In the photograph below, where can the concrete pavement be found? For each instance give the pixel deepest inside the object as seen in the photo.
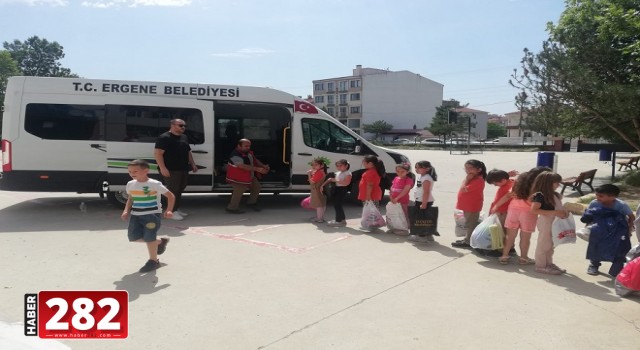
(271, 280)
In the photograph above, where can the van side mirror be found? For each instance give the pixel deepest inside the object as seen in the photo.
(357, 150)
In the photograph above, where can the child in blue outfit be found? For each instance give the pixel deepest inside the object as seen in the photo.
(611, 223)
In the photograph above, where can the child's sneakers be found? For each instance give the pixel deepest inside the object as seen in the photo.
(150, 266)
(418, 239)
(163, 245)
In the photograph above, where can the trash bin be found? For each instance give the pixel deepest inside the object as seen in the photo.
(546, 159)
(605, 155)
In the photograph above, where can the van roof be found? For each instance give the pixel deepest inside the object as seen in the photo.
(201, 91)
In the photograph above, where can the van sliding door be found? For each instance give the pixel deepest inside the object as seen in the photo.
(267, 126)
(132, 131)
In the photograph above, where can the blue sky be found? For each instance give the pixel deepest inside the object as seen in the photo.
(470, 46)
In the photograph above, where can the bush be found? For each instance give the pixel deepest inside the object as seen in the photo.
(632, 178)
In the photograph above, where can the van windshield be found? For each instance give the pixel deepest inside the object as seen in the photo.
(327, 136)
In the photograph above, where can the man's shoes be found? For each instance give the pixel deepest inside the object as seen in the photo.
(592, 270)
(254, 207)
(163, 245)
(176, 216)
(234, 211)
(183, 214)
(150, 266)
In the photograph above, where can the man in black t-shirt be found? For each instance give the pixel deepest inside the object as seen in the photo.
(173, 156)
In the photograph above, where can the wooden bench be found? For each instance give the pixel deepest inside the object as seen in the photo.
(629, 163)
(576, 182)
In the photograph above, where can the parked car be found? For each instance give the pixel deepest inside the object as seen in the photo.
(403, 141)
(457, 141)
(494, 141)
(431, 141)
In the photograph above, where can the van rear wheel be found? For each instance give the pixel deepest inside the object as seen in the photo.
(117, 198)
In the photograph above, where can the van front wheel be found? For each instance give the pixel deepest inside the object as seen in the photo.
(117, 198)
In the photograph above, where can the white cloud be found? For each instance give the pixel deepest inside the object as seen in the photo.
(37, 2)
(135, 3)
(247, 52)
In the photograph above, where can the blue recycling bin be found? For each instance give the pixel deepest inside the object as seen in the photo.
(605, 155)
(546, 159)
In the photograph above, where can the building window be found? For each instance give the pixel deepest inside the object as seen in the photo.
(330, 99)
(343, 98)
(319, 99)
(355, 97)
(343, 85)
(319, 87)
(353, 123)
(355, 83)
(355, 110)
(343, 111)
(330, 86)
(330, 110)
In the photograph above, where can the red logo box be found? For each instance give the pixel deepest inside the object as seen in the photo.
(83, 314)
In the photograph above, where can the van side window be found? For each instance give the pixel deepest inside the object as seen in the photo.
(65, 122)
(327, 136)
(145, 123)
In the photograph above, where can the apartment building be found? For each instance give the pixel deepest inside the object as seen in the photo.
(514, 129)
(402, 98)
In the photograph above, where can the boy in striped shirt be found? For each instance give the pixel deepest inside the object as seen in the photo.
(144, 208)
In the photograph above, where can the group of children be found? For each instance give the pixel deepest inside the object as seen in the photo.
(522, 204)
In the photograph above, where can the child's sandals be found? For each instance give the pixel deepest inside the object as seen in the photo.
(503, 260)
(526, 261)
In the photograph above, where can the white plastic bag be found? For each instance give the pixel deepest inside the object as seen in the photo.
(396, 220)
(461, 224)
(563, 230)
(481, 237)
(371, 217)
(584, 233)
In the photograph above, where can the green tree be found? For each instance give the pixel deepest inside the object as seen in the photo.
(586, 78)
(495, 130)
(8, 68)
(377, 128)
(38, 57)
(440, 125)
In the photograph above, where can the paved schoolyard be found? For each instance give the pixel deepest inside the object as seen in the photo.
(270, 280)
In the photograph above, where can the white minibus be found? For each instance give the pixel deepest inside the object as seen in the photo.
(77, 135)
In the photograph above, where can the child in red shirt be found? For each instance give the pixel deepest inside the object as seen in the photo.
(470, 198)
(369, 186)
(503, 197)
(316, 175)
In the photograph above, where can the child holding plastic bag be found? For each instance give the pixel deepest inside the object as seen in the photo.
(369, 191)
(470, 198)
(342, 180)
(423, 194)
(318, 201)
(545, 202)
(610, 237)
(399, 195)
(520, 218)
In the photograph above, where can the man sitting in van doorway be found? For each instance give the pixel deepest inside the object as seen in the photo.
(174, 158)
(241, 174)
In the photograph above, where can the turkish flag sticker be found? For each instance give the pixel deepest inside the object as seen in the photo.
(305, 107)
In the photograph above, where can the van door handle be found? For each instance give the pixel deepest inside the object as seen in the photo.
(99, 147)
(199, 151)
(305, 154)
